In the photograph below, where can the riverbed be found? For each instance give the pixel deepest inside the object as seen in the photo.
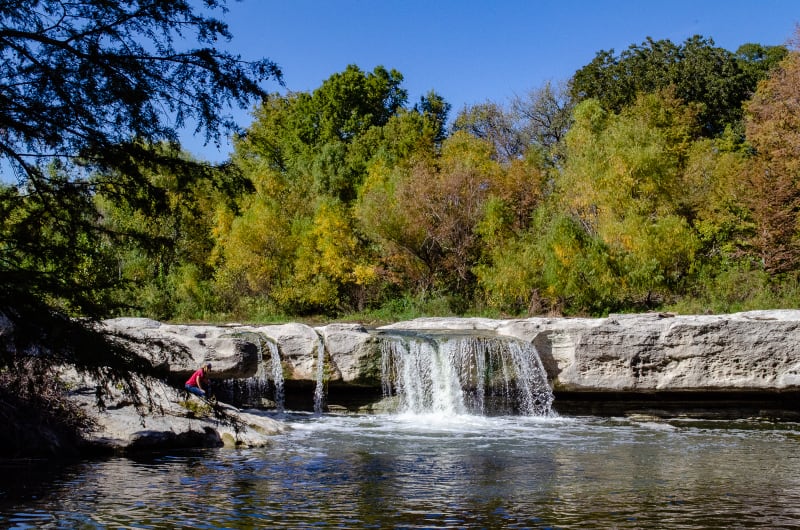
(434, 471)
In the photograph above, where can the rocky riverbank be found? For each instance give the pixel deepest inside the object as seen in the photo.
(705, 366)
(744, 364)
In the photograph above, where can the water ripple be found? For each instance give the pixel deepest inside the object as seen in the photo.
(427, 472)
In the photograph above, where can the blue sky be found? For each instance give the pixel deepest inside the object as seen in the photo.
(471, 51)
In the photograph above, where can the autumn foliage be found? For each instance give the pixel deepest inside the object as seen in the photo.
(664, 190)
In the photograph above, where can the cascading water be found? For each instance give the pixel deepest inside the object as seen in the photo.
(319, 390)
(254, 391)
(277, 375)
(451, 375)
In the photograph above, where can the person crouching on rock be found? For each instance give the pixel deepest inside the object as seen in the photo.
(198, 383)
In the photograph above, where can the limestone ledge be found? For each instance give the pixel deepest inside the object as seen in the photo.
(650, 352)
(622, 364)
(616, 365)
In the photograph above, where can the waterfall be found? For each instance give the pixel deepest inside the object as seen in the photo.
(319, 390)
(254, 391)
(445, 374)
(277, 375)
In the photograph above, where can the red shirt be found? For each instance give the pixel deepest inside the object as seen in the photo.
(198, 377)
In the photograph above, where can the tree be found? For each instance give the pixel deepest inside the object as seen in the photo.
(90, 86)
(624, 182)
(425, 215)
(757, 61)
(436, 109)
(86, 87)
(492, 123)
(538, 120)
(168, 267)
(310, 157)
(700, 72)
(546, 113)
(772, 125)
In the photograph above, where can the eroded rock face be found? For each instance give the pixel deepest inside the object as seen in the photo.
(642, 355)
(183, 348)
(652, 352)
(755, 350)
(299, 347)
(353, 353)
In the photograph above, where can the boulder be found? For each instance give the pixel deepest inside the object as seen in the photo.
(184, 348)
(171, 419)
(299, 346)
(353, 352)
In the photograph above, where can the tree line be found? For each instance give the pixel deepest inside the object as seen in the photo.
(662, 177)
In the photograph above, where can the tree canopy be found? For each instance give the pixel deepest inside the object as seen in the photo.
(699, 71)
(94, 86)
(92, 97)
(349, 197)
(556, 202)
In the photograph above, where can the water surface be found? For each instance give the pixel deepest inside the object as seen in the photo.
(434, 471)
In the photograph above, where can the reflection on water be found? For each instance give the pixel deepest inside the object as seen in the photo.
(425, 471)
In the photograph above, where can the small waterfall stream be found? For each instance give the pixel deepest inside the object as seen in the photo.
(277, 375)
(255, 391)
(436, 372)
(459, 374)
(319, 389)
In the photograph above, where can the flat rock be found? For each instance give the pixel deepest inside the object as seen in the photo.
(172, 419)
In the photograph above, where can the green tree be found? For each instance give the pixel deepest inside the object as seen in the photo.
(757, 61)
(166, 258)
(434, 107)
(426, 216)
(309, 156)
(546, 116)
(624, 182)
(489, 121)
(91, 86)
(700, 72)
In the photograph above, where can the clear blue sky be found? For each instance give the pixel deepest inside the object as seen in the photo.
(471, 51)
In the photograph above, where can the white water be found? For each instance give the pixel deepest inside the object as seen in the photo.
(456, 375)
(319, 389)
(277, 375)
(254, 391)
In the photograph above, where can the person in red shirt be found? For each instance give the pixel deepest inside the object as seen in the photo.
(198, 382)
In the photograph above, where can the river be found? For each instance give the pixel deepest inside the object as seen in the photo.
(434, 471)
